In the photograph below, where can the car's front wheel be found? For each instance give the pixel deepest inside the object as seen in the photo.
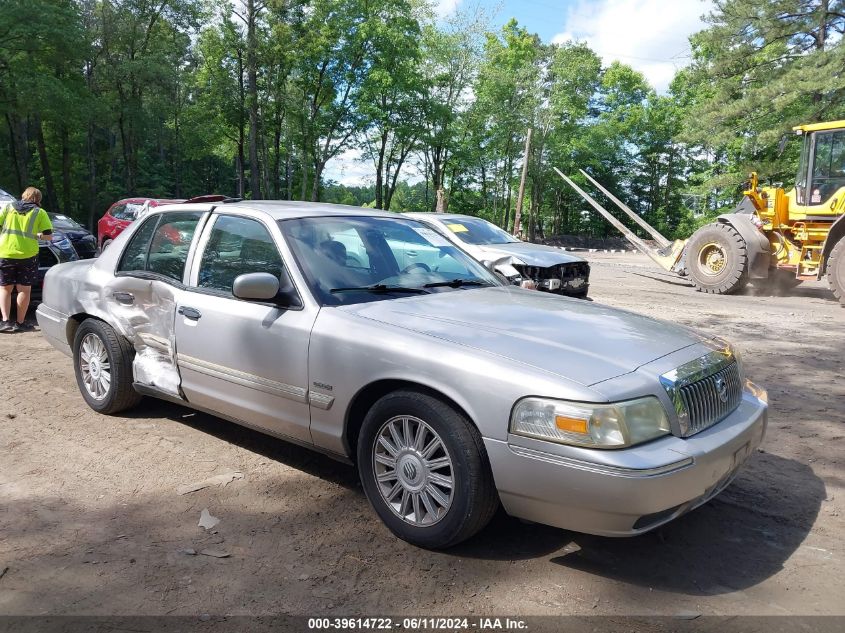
(102, 360)
(425, 470)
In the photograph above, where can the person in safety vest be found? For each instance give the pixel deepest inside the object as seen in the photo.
(22, 224)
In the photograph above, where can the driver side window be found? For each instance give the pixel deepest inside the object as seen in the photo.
(237, 246)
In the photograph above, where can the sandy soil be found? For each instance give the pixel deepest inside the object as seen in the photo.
(91, 521)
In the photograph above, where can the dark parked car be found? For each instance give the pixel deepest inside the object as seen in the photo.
(82, 239)
(58, 251)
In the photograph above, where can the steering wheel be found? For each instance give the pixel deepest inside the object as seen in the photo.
(411, 267)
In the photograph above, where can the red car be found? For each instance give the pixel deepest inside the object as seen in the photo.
(123, 212)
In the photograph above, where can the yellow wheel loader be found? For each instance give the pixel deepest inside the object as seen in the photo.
(773, 236)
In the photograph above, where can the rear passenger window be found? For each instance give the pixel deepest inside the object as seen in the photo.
(161, 245)
(235, 247)
(135, 256)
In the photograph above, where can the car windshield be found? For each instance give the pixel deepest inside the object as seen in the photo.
(359, 259)
(478, 231)
(63, 222)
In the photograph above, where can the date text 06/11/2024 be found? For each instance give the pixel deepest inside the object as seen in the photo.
(417, 624)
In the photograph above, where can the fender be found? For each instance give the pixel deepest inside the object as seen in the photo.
(836, 233)
(756, 243)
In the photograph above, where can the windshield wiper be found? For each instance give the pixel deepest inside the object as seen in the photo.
(457, 283)
(380, 289)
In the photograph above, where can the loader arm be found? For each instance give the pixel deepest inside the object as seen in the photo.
(668, 258)
(655, 234)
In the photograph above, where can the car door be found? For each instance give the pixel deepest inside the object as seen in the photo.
(142, 297)
(245, 360)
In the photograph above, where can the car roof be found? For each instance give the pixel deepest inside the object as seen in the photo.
(291, 209)
(152, 201)
(444, 216)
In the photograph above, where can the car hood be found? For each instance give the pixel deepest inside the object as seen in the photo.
(578, 340)
(528, 253)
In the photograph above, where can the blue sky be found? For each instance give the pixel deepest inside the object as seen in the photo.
(650, 35)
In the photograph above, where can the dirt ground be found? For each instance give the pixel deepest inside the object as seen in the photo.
(91, 521)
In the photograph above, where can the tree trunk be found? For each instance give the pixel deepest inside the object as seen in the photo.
(51, 198)
(380, 171)
(66, 182)
(241, 126)
(277, 156)
(16, 148)
(319, 166)
(92, 178)
(289, 174)
(304, 183)
(252, 88)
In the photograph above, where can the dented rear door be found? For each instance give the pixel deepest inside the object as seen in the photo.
(143, 296)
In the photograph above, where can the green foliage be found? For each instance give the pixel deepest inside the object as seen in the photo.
(102, 99)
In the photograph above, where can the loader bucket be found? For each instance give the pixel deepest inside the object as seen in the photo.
(668, 258)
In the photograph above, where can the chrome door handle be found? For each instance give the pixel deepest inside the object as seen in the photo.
(126, 298)
(190, 313)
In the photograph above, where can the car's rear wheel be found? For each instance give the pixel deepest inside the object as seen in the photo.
(425, 470)
(102, 360)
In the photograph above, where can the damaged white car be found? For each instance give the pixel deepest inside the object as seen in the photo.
(452, 391)
(536, 266)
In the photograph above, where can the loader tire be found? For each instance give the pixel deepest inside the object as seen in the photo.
(717, 259)
(836, 271)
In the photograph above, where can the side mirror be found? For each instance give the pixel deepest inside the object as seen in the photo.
(256, 287)
(265, 287)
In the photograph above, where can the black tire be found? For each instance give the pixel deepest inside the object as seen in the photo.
(472, 498)
(105, 245)
(717, 259)
(119, 395)
(836, 271)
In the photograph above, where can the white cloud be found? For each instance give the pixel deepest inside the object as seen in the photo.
(649, 35)
(442, 8)
(348, 169)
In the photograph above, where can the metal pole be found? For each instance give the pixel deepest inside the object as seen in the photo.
(517, 218)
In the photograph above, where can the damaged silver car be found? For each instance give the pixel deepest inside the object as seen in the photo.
(452, 391)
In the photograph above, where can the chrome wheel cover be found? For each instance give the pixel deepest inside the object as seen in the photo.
(413, 470)
(94, 366)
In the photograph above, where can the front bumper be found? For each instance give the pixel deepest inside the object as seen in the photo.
(572, 279)
(629, 491)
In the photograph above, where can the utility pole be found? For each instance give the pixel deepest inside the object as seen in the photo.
(518, 215)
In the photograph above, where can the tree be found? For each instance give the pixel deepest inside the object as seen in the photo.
(391, 94)
(763, 67)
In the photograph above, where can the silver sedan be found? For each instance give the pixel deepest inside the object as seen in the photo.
(451, 391)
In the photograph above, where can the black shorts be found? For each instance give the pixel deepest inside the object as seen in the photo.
(22, 272)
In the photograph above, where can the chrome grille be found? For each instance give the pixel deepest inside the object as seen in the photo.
(704, 391)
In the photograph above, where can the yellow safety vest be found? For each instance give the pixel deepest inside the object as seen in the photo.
(19, 232)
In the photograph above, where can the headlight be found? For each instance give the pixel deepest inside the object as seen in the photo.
(614, 425)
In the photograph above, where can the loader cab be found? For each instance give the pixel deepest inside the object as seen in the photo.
(821, 169)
